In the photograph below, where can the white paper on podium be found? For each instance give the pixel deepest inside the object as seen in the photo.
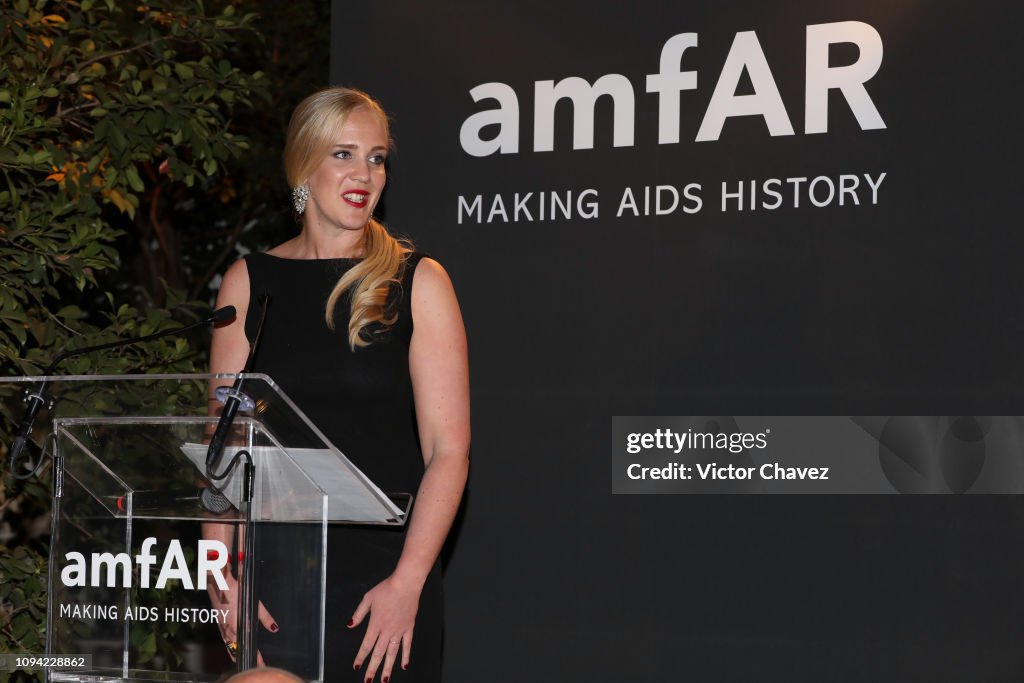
(351, 498)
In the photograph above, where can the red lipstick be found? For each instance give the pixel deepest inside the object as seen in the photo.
(356, 198)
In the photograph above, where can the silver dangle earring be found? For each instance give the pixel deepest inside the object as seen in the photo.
(300, 195)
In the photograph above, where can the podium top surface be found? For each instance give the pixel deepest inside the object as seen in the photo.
(169, 396)
(109, 416)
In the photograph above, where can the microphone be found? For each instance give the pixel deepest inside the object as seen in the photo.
(220, 315)
(210, 499)
(234, 397)
(35, 401)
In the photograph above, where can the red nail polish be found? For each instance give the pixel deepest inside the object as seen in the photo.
(384, 679)
(212, 554)
(369, 680)
(241, 555)
(357, 666)
(273, 628)
(351, 623)
(405, 667)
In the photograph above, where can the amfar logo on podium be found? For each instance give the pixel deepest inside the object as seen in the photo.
(211, 557)
(744, 55)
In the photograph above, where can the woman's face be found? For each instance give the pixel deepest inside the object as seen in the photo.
(345, 188)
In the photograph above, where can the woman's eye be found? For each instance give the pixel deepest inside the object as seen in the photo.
(378, 159)
(343, 154)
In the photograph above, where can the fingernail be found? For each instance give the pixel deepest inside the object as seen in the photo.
(351, 623)
(273, 628)
(241, 555)
(369, 680)
(405, 667)
(212, 555)
(384, 679)
(356, 667)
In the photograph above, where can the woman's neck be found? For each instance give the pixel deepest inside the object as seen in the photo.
(308, 245)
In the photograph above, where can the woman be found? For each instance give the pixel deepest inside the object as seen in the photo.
(366, 336)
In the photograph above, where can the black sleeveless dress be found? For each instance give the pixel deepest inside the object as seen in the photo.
(363, 402)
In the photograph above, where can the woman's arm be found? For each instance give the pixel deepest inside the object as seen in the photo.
(230, 348)
(440, 380)
(228, 353)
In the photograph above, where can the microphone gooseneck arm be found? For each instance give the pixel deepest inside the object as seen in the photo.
(220, 315)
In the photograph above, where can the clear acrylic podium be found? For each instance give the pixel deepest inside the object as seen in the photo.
(135, 547)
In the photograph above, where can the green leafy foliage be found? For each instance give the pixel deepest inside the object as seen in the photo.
(22, 605)
(113, 116)
(106, 108)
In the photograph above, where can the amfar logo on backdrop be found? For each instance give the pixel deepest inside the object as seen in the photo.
(744, 55)
(660, 197)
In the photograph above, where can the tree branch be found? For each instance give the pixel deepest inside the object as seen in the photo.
(88, 105)
(58, 321)
(82, 127)
(229, 246)
(125, 51)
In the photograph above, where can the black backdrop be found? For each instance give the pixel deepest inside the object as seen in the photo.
(910, 305)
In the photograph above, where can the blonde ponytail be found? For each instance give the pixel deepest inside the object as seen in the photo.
(370, 282)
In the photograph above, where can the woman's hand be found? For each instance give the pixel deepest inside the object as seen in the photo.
(392, 606)
(228, 600)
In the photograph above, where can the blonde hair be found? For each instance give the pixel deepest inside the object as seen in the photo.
(313, 129)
